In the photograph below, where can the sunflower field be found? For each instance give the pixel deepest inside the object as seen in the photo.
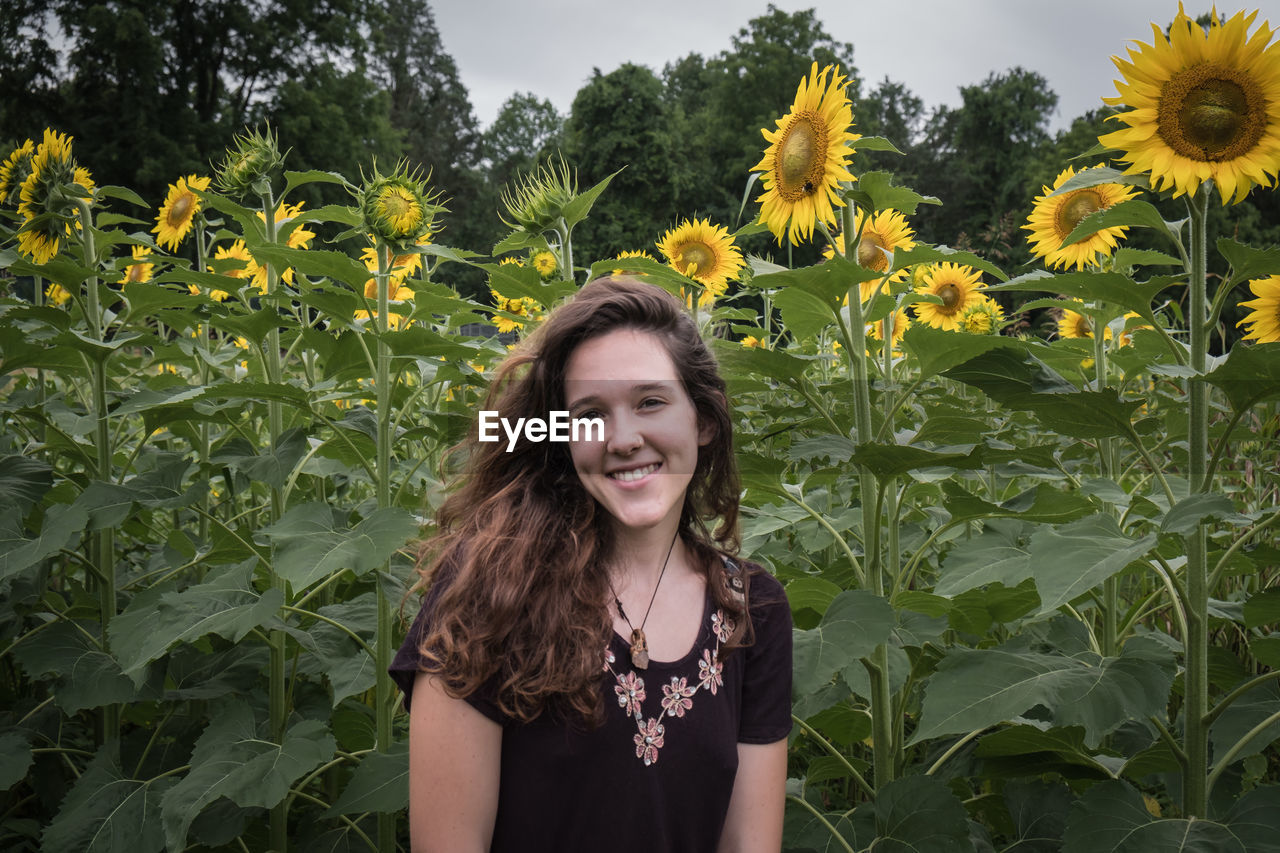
(1035, 578)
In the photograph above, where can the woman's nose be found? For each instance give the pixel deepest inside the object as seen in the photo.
(623, 436)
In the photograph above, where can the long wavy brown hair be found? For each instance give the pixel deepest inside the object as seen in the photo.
(518, 566)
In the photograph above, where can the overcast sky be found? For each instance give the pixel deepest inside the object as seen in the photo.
(549, 47)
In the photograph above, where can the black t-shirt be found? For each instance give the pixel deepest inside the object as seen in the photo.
(656, 776)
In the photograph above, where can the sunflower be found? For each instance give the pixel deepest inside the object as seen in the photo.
(638, 253)
(900, 323)
(179, 210)
(42, 192)
(215, 295)
(752, 342)
(983, 317)
(1054, 217)
(704, 252)
(807, 157)
(1264, 322)
(398, 208)
(1203, 106)
(1075, 325)
(545, 263)
(251, 159)
(522, 306)
(14, 170)
(396, 290)
(235, 252)
(957, 285)
(138, 271)
(1126, 334)
(884, 231)
(56, 294)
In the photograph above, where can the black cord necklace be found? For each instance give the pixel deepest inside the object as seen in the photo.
(639, 648)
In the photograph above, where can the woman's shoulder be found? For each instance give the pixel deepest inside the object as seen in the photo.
(760, 588)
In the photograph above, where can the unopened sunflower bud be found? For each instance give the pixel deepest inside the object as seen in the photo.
(247, 168)
(398, 208)
(537, 202)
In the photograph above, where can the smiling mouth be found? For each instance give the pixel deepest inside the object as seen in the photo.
(634, 474)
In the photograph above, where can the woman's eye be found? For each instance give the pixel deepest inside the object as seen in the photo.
(651, 402)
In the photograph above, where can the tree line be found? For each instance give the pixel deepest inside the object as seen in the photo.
(153, 89)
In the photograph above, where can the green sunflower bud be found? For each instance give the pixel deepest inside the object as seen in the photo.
(537, 202)
(247, 168)
(398, 209)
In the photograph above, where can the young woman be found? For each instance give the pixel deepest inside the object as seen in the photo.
(593, 668)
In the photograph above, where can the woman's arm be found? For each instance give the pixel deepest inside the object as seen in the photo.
(754, 821)
(454, 760)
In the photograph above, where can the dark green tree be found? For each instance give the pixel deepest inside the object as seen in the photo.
(528, 129)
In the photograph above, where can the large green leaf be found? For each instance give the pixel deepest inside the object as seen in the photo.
(15, 759)
(380, 783)
(1111, 287)
(62, 528)
(1250, 375)
(1017, 748)
(272, 468)
(1255, 819)
(1112, 818)
(85, 676)
(23, 481)
(809, 297)
(580, 205)
(937, 350)
(1242, 716)
(1039, 810)
(923, 253)
(315, 263)
(886, 461)
(855, 623)
(233, 759)
(311, 542)
(226, 604)
(348, 667)
(995, 556)
(1131, 213)
(876, 191)
(1247, 262)
(1069, 560)
(918, 814)
(976, 688)
(107, 812)
(737, 360)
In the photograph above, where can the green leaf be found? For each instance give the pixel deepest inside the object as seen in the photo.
(874, 143)
(336, 266)
(512, 281)
(876, 191)
(226, 604)
(811, 592)
(107, 812)
(122, 193)
(810, 297)
(348, 667)
(85, 675)
(63, 527)
(937, 350)
(919, 814)
(1069, 560)
(737, 360)
(310, 542)
(977, 688)
(1255, 819)
(1185, 516)
(147, 298)
(1112, 818)
(23, 481)
(580, 205)
(1250, 375)
(1129, 214)
(1127, 257)
(1242, 715)
(886, 461)
(293, 180)
(992, 557)
(855, 623)
(379, 784)
(232, 759)
(1247, 262)
(1110, 287)
(1263, 608)
(1039, 810)
(270, 468)
(15, 755)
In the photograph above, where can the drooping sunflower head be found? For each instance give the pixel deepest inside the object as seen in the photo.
(13, 171)
(47, 195)
(178, 212)
(139, 270)
(1264, 321)
(398, 208)
(983, 317)
(807, 157)
(545, 263)
(704, 252)
(537, 200)
(249, 164)
(1203, 105)
(1054, 217)
(956, 285)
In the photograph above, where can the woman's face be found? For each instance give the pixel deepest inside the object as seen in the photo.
(641, 470)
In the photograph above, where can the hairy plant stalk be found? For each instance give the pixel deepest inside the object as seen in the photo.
(1110, 470)
(383, 694)
(202, 449)
(1196, 731)
(102, 545)
(882, 725)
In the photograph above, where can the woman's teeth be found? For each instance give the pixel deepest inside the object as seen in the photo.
(635, 473)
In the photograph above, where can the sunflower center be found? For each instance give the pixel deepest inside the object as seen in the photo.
(1210, 112)
(950, 297)
(802, 155)
(400, 209)
(696, 259)
(179, 210)
(869, 254)
(1074, 210)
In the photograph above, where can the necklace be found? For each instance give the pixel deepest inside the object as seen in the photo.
(639, 648)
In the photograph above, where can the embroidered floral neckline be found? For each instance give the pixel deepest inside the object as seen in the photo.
(677, 696)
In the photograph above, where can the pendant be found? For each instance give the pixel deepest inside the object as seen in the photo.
(639, 650)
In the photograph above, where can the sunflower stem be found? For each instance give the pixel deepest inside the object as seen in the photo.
(202, 450)
(1196, 733)
(383, 696)
(279, 710)
(1110, 466)
(881, 701)
(102, 546)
